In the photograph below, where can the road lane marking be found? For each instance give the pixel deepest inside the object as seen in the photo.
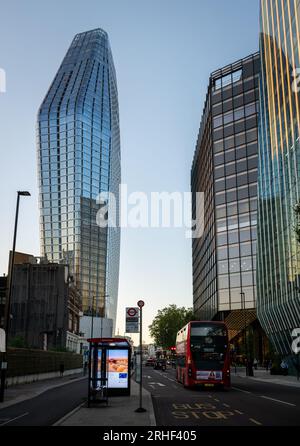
(255, 421)
(241, 390)
(161, 385)
(238, 411)
(16, 418)
(226, 405)
(278, 401)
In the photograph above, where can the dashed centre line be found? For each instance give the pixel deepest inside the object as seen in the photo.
(277, 401)
(255, 421)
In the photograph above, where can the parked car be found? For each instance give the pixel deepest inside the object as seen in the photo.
(150, 362)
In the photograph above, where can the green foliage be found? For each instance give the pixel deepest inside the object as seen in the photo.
(59, 349)
(167, 322)
(297, 226)
(17, 342)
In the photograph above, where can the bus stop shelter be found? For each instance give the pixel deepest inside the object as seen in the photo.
(109, 368)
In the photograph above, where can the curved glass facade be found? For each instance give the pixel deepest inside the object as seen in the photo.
(278, 268)
(78, 143)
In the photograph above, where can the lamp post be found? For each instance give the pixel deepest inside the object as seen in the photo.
(104, 314)
(245, 328)
(10, 287)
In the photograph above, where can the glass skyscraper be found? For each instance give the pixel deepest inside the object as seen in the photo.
(278, 268)
(78, 145)
(225, 169)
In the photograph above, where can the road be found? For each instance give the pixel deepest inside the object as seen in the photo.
(47, 408)
(247, 403)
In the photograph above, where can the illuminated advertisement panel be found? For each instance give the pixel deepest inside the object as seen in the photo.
(117, 367)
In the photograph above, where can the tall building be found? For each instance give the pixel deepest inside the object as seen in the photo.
(278, 278)
(45, 305)
(78, 142)
(225, 169)
(3, 293)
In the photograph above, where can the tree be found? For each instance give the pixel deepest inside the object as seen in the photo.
(297, 218)
(296, 358)
(167, 323)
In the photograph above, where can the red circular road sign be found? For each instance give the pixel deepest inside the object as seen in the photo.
(131, 312)
(141, 303)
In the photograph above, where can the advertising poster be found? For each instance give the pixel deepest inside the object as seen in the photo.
(117, 366)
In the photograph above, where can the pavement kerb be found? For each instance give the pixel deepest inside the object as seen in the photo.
(152, 415)
(145, 392)
(68, 415)
(274, 380)
(38, 392)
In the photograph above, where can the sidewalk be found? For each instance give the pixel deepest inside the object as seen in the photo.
(262, 375)
(21, 392)
(119, 412)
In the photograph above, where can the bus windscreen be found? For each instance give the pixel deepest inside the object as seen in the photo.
(208, 347)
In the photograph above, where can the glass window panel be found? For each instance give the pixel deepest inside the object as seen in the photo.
(218, 121)
(233, 237)
(219, 172)
(219, 185)
(222, 253)
(223, 296)
(218, 146)
(229, 143)
(223, 267)
(234, 251)
(222, 239)
(221, 225)
(235, 296)
(232, 223)
(232, 209)
(247, 278)
(245, 249)
(221, 211)
(235, 280)
(245, 235)
(223, 282)
(234, 265)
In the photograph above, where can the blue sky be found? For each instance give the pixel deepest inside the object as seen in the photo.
(164, 51)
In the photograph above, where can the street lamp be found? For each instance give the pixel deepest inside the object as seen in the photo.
(10, 287)
(101, 317)
(249, 370)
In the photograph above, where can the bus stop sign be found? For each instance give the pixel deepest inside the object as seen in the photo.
(132, 320)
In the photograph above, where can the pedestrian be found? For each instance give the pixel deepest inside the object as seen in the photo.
(269, 364)
(61, 369)
(284, 367)
(85, 366)
(255, 362)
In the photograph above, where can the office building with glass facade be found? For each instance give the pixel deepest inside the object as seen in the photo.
(78, 146)
(278, 267)
(225, 169)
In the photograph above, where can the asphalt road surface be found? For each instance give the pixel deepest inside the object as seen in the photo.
(247, 403)
(47, 408)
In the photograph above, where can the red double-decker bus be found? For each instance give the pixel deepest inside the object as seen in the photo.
(202, 353)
